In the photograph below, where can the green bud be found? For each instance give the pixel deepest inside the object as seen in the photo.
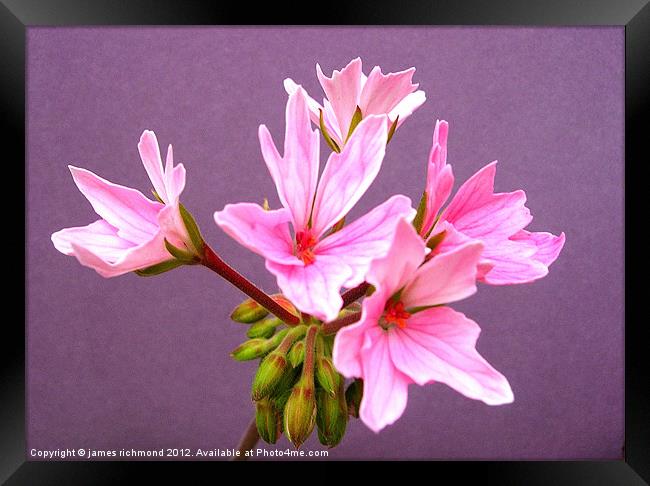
(269, 374)
(331, 416)
(268, 420)
(300, 411)
(326, 374)
(297, 354)
(258, 347)
(353, 396)
(248, 311)
(264, 328)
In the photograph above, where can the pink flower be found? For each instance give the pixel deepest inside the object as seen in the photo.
(406, 335)
(312, 264)
(391, 94)
(131, 232)
(512, 255)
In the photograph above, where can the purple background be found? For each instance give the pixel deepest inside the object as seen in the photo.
(143, 363)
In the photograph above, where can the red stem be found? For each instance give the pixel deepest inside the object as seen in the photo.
(333, 326)
(215, 263)
(352, 295)
(248, 441)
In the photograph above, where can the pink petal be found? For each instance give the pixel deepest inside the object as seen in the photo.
(150, 155)
(343, 90)
(407, 106)
(313, 288)
(173, 228)
(548, 245)
(295, 173)
(440, 178)
(290, 86)
(367, 238)
(99, 237)
(332, 124)
(349, 340)
(383, 92)
(392, 272)
(439, 344)
(135, 216)
(174, 178)
(445, 278)
(348, 175)
(264, 232)
(479, 213)
(513, 262)
(137, 257)
(385, 388)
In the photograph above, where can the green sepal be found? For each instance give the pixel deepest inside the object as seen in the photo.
(337, 227)
(180, 255)
(435, 240)
(159, 268)
(418, 221)
(391, 130)
(333, 145)
(356, 119)
(192, 229)
(155, 194)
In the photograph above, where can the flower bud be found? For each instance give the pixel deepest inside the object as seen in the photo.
(326, 374)
(248, 311)
(268, 420)
(256, 348)
(297, 354)
(300, 411)
(353, 396)
(269, 374)
(331, 416)
(263, 329)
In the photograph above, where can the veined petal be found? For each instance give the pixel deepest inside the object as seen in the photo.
(407, 106)
(134, 216)
(480, 213)
(295, 173)
(343, 90)
(99, 237)
(385, 388)
(313, 288)
(548, 245)
(439, 344)
(137, 257)
(383, 92)
(393, 271)
(150, 155)
(174, 178)
(264, 232)
(349, 340)
(445, 278)
(290, 86)
(367, 238)
(348, 175)
(512, 262)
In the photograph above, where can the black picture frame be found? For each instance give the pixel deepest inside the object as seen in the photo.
(634, 15)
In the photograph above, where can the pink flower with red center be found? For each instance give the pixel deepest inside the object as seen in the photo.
(132, 230)
(314, 263)
(407, 334)
(512, 255)
(391, 94)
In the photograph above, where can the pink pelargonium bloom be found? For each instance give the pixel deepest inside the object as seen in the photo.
(392, 94)
(407, 335)
(131, 232)
(512, 255)
(313, 264)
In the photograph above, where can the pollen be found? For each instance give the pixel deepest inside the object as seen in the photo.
(305, 243)
(396, 314)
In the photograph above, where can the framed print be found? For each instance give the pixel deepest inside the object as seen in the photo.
(330, 264)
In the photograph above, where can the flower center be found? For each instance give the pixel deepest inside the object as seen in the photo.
(395, 314)
(305, 243)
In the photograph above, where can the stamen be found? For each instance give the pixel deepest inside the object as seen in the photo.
(395, 314)
(305, 243)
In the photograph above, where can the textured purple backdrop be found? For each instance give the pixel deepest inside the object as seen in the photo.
(143, 363)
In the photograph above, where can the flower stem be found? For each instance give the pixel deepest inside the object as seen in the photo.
(333, 326)
(247, 441)
(354, 294)
(216, 264)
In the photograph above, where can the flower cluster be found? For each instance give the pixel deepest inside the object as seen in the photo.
(407, 264)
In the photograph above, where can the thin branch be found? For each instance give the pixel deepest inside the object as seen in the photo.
(247, 441)
(333, 326)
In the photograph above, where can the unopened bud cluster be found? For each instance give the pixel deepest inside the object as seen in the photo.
(296, 387)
